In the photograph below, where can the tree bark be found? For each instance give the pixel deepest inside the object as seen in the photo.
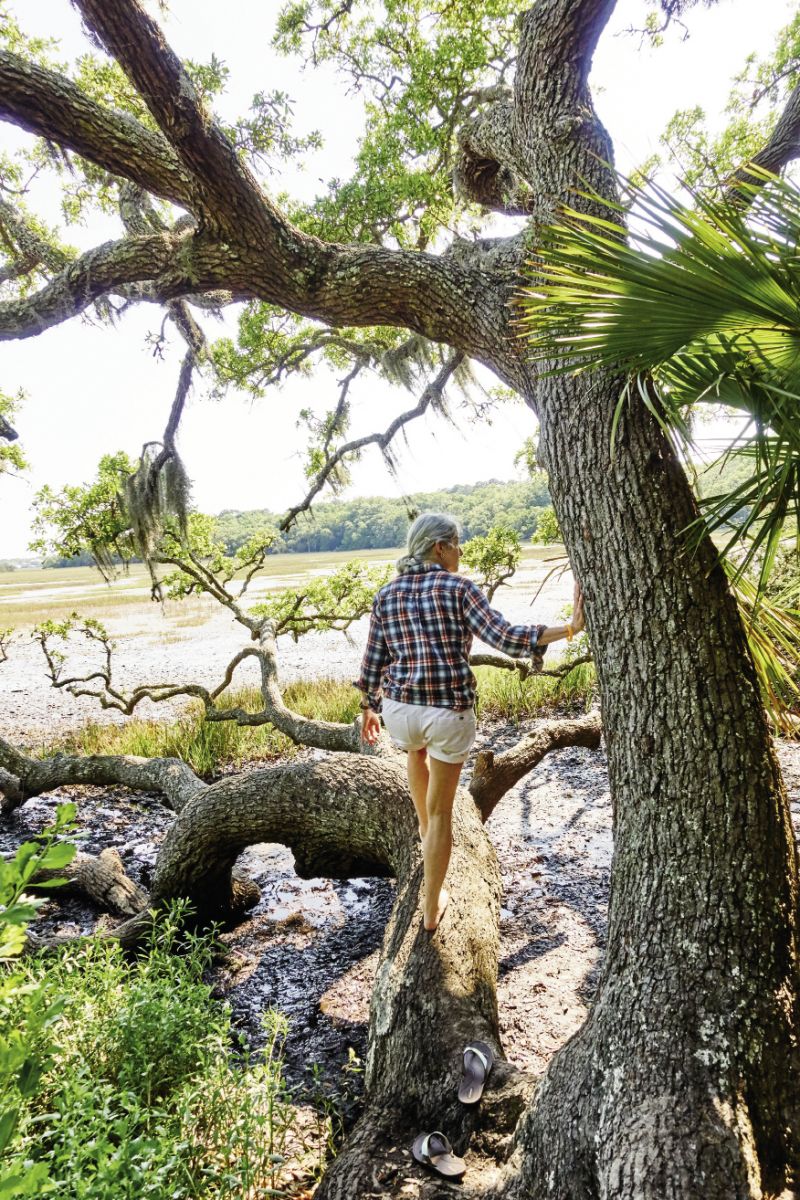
(493, 774)
(103, 879)
(684, 1081)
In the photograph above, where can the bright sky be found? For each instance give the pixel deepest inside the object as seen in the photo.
(95, 390)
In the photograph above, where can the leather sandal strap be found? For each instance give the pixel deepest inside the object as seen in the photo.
(445, 1148)
(481, 1056)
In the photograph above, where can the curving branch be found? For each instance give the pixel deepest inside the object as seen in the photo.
(22, 777)
(27, 248)
(782, 147)
(432, 394)
(524, 668)
(494, 774)
(243, 244)
(99, 685)
(7, 636)
(222, 184)
(47, 104)
(91, 276)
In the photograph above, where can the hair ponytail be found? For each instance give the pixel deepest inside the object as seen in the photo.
(424, 533)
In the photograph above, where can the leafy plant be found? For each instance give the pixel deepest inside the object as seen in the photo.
(28, 1009)
(494, 558)
(547, 528)
(703, 306)
(148, 1092)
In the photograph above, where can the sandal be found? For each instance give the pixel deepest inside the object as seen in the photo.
(478, 1062)
(434, 1150)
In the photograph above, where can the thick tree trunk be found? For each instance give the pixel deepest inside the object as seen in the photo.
(685, 1079)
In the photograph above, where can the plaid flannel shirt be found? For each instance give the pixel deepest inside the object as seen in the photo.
(420, 637)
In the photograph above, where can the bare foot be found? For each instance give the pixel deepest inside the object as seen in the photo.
(444, 897)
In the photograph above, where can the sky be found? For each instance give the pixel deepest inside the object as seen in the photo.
(92, 390)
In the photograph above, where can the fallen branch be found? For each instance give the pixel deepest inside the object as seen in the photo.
(25, 777)
(493, 775)
(103, 879)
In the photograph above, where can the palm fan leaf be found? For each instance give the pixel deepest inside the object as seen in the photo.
(702, 305)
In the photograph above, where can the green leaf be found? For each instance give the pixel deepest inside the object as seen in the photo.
(58, 856)
(8, 1123)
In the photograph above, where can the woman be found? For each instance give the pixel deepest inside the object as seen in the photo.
(417, 656)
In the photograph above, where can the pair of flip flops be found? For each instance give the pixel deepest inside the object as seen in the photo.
(433, 1150)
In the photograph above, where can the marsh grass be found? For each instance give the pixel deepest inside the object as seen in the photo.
(28, 597)
(208, 746)
(503, 695)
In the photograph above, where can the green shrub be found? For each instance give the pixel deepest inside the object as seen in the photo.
(208, 745)
(143, 1095)
(29, 1008)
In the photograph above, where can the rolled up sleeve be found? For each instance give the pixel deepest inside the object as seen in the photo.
(518, 641)
(376, 657)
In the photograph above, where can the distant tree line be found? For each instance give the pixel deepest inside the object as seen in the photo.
(374, 522)
(377, 522)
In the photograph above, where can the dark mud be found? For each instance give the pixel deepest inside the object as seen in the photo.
(310, 946)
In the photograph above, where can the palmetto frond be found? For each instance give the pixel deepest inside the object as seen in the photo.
(701, 305)
(704, 304)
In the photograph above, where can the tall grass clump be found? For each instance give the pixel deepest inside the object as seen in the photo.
(208, 746)
(504, 695)
(142, 1096)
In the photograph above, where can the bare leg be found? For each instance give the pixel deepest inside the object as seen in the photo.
(438, 841)
(418, 785)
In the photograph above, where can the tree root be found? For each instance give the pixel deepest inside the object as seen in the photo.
(494, 774)
(104, 880)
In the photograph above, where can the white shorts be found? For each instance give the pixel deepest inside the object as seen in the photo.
(445, 733)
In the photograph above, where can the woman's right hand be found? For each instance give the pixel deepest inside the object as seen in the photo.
(370, 726)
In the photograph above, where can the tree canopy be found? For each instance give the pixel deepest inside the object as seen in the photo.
(684, 1078)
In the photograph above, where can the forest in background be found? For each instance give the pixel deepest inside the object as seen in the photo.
(375, 522)
(378, 522)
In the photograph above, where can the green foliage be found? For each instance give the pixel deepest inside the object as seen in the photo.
(373, 522)
(84, 517)
(784, 582)
(772, 623)
(332, 602)
(420, 70)
(29, 1008)
(703, 307)
(12, 458)
(95, 519)
(140, 1096)
(494, 558)
(547, 530)
(200, 545)
(760, 91)
(7, 636)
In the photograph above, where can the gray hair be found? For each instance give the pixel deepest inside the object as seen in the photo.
(425, 532)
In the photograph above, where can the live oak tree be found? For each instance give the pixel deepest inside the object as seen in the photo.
(684, 1079)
